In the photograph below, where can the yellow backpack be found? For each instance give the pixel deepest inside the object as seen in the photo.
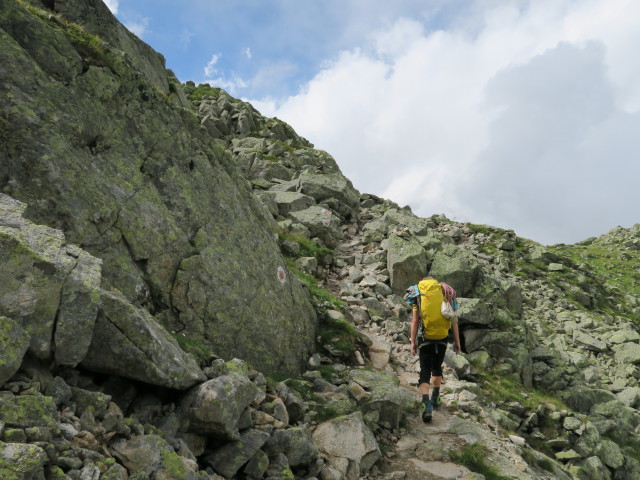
(434, 325)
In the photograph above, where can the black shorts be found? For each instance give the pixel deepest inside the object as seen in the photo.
(431, 356)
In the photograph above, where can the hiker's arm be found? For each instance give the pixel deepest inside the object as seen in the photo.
(415, 322)
(456, 338)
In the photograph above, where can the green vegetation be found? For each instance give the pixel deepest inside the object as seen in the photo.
(532, 459)
(308, 248)
(302, 387)
(485, 229)
(92, 49)
(195, 346)
(324, 409)
(173, 465)
(321, 299)
(474, 457)
(631, 448)
(194, 93)
(504, 389)
(340, 334)
(612, 265)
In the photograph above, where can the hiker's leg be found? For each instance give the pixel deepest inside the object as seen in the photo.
(425, 370)
(436, 364)
(436, 374)
(426, 366)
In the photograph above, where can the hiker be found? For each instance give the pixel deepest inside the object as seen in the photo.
(432, 342)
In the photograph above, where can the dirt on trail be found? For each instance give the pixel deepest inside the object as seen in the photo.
(421, 450)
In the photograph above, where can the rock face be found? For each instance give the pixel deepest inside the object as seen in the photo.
(128, 342)
(50, 291)
(47, 286)
(175, 226)
(14, 342)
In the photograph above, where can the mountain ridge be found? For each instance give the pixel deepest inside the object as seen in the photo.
(186, 229)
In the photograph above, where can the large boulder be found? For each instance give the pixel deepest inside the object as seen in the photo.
(20, 461)
(46, 285)
(14, 342)
(289, 201)
(456, 267)
(583, 397)
(295, 443)
(328, 186)
(152, 456)
(475, 310)
(130, 343)
(214, 407)
(79, 303)
(321, 222)
(348, 444)
(229, 458)
(388, 402)
(627, 353)
(25, 411)
(136, 181)
(406, 262)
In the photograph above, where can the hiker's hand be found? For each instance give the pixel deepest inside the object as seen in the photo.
(456, 347)
(413, 348)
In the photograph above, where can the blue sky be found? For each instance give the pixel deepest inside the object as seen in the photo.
(513, 113)
(264, 48)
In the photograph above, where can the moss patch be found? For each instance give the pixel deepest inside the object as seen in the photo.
(474, 457)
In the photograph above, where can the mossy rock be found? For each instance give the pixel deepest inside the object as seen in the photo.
(26, 411)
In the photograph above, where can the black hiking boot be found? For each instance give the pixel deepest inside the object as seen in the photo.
(436, 402)
(426, 411)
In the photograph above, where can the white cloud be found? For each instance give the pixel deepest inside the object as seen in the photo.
(138, 27)
(213, 75)
(210, 68)
(247, 52)
(231, 85)
(509, 119)
(112, 5)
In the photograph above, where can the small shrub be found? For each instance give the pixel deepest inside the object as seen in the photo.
(196, 93)
(308, 248)
(473, 456)
(195, 346)
(340, 334)
(321, 298)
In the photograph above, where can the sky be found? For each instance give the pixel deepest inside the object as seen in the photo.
(523, 115)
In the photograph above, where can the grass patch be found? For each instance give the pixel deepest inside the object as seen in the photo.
(196, 347)
(322, 299)
(302, 387)
(501, 390)
(612, 269)
(473, 456)
(197, 93)
(632, 448)
(308, 248)
(92, 49)
(339, 334)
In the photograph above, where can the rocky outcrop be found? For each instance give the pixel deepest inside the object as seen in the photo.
(89, 150)
(49, 287)
(51, 294)
(128, 342)
(142, 211)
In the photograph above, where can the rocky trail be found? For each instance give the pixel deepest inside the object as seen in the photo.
(418, 450)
